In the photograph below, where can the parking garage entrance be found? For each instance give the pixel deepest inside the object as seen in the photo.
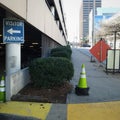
(36, 44)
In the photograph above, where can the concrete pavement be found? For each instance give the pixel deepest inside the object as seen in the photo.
(103, 87)
(30, 110)
(94, 111)
(103, 101)
(104, 95)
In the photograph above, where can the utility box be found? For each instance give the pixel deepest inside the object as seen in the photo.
(113, 61)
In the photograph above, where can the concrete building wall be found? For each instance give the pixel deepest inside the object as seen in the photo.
(37, 13)
(90, 28)
(59, 12)
(47, 45)
(18, 6)
(81, 23)
(16, 81)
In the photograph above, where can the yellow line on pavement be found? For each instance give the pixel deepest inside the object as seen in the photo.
(94, 111)
(31, 109)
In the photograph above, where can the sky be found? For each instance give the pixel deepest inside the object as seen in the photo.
(71, 11)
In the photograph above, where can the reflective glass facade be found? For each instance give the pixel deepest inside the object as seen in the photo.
(86, 7)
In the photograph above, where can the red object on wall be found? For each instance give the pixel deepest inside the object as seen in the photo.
(99, 50)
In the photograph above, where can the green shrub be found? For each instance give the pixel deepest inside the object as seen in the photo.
(60, 54)
(62, 51)
(52, 71)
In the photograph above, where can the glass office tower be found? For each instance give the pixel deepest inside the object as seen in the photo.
(85, 9)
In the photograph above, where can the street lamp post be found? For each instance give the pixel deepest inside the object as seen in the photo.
(93, 17)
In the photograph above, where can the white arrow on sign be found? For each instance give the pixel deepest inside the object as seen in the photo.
(11, 31)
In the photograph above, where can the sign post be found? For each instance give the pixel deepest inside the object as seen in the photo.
(13, 36)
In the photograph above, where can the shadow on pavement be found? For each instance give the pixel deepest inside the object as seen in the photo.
(15, 117)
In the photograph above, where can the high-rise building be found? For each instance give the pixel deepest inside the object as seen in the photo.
(86, 7)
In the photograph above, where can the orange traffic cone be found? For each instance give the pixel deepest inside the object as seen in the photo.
(82, 88)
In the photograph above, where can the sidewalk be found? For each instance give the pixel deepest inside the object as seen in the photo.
(102, 103)
(103, 87)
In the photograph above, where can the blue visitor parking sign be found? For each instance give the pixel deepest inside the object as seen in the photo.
(13, 31)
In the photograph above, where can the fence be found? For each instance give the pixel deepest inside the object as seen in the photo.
(113, 61)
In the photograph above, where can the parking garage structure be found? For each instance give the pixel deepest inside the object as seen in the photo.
(44, 29)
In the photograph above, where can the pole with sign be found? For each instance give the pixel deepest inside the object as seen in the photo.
(13, 35)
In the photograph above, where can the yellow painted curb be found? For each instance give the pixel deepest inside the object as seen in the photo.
(94, 111)
(31, 109)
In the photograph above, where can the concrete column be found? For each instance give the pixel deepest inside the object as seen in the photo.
(13, 58)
